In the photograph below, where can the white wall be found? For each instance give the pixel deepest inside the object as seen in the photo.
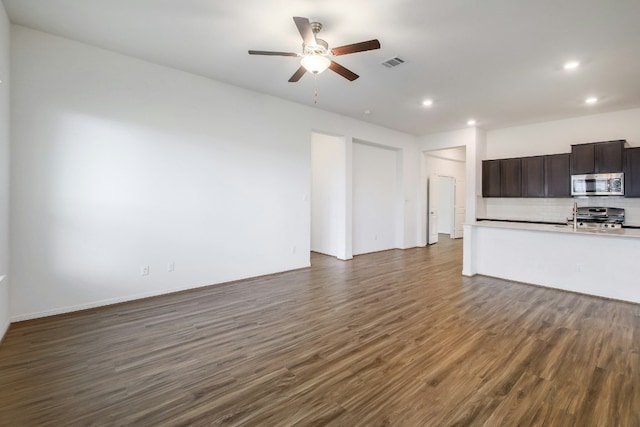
(4, 170)
(374, 198)
(557, 137)
(119, 163)
(328, 195)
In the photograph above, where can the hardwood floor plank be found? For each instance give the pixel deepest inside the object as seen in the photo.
(395, 338)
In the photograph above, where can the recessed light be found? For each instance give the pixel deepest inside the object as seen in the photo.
(571, 65)
(367, 112)
(591, 100)
(471, 122)
(427, 102)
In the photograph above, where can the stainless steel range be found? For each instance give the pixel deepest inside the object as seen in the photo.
(600, 218)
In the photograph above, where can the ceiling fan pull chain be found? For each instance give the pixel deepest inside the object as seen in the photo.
(315, 94)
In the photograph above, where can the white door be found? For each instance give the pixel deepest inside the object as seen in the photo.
(459, 210)
(432, 210)
(446, 205)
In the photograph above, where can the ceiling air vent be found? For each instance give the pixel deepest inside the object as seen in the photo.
(393, 62)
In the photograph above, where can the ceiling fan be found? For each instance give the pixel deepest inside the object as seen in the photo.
(316, 55)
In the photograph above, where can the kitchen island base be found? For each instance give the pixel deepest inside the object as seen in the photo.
(600, 264)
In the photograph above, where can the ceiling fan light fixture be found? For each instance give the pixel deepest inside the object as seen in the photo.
(571, 65)
(315, 64)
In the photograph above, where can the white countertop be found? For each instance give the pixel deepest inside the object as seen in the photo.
(623, 232)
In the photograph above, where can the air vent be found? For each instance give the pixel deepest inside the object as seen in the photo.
(393, 62)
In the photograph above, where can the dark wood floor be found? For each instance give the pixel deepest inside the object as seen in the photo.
(396, 338)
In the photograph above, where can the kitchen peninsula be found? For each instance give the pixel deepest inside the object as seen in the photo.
(584, 261)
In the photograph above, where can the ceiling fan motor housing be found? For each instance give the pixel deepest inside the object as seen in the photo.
(315, 27)
(321, 48)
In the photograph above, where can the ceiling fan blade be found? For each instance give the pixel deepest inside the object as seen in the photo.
(304, 27)
(297, 75)
(265, 52)
(347, 74)
(356, 47)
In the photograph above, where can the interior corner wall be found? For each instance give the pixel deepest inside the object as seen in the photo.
(4, 169)
(476, 151)
(118, 163)
(375, 189)
(328, 195)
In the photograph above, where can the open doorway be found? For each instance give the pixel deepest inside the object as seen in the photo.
(442, 208)
(375, 189)
(446, 193)
(356, 196)
(328, 195)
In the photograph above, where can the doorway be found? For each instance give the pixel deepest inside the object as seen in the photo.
(445, 172)
(441, 208)
(328, 195)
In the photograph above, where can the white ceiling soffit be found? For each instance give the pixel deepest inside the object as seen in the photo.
(498, 61)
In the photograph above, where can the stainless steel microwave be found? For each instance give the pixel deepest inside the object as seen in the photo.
(601, 184)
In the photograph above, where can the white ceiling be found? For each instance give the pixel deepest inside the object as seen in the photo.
(498, 61)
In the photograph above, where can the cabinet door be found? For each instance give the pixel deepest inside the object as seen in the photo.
(557, 177)
(608, 156)
(632, 173)
(582, 159)
(491, 178)
(510, 178)
(533, 176)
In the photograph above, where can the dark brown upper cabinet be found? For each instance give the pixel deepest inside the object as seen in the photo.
(491, 178)
(597, 157)
(609, 156)
(533, 177)
(510, 178)
(632, 172)
(557, 175)
(537, 176)
(582, 159)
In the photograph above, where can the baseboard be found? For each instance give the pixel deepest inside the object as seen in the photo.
(127, 298)
(90, 305)
(4, 327)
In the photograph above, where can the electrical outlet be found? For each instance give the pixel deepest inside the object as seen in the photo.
(144, 270)
(171, 266)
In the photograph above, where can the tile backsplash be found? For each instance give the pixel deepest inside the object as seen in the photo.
(556, 210)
